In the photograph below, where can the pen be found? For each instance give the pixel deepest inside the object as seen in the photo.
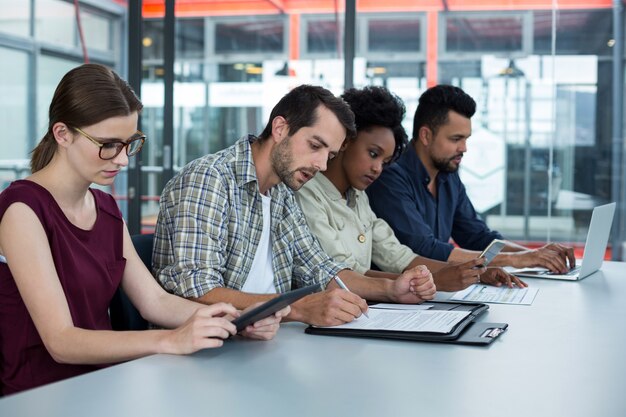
(343, 287)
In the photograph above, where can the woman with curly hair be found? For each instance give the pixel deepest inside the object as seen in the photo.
(337, 208)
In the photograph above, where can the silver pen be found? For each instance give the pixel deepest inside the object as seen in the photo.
(343, 287)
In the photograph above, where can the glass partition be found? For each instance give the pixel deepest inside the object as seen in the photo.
(13, 115)
(97, 30)
(55, 22)
(15, 18)
(539, 158)
(483, 32)
(38, 45)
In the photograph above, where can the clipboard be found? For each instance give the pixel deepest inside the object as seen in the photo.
(466, 331)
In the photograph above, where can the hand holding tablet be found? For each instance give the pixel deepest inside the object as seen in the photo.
(272, 306)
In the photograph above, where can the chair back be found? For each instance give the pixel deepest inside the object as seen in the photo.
(143, 245)
(124, 315)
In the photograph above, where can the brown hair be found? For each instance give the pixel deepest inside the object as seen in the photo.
(299, 108)
(86, 95)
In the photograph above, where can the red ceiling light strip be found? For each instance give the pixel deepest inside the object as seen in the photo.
(80, 32)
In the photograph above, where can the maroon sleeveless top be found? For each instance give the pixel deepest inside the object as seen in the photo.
(89, 264)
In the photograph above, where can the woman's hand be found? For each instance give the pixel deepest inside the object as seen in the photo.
(206, 328)
(266, 328)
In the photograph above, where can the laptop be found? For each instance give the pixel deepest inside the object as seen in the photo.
(597, 239)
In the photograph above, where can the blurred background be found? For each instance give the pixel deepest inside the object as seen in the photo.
(547, 76)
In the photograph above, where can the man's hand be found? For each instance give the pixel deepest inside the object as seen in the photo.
(413, 286)
(498, 276)
(328, 308)
(553, 256)
(265, 329)
(456, 277)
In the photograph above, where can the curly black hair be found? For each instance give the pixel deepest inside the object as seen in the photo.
(376, 106)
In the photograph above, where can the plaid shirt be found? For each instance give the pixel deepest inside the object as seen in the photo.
(210, 222)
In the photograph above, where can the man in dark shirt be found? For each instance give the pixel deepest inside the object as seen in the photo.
(423, 199)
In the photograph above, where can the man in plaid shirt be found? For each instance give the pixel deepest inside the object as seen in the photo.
(229, 228)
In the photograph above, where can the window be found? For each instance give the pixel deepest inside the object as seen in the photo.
(578, 32)
(15, 17)
(49, 72)
(322, 36)
(483, 33)
(544, 120)
(152, 39)
(38, 44)
(14, 105)
(96, 30)
(394, 35)
(55, 22)
(263, 35)
(190, 38)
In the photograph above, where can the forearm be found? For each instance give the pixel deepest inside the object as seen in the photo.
(513, 247)
(238, 299)
(378, 289)
(169, 310)
(462, 255)
(74, 345)
(502, 259)
(432, 264)
(509, 255)
(380, 274)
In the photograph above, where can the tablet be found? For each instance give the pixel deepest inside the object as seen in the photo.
(492, 251)
(272, 306)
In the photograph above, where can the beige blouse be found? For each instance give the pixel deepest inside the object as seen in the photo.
(349, 231)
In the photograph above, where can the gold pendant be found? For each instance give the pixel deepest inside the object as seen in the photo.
(361, 238)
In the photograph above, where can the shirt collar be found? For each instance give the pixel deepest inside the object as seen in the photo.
(332, 192)
(245, 170)
(416, 169)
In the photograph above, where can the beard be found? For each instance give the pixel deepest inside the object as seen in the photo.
(282, 160)
(446, 164)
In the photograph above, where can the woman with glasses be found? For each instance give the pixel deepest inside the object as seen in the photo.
(65, 250)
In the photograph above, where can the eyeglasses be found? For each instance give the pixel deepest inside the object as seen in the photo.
(109, 150)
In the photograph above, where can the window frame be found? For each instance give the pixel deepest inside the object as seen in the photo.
(363, 37)
(210, 28)
(305, 21)
(527, 35)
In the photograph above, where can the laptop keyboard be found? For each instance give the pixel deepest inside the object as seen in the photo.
(572, 271)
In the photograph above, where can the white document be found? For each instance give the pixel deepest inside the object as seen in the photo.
(436, 321)
(499, 295)
(412, 307)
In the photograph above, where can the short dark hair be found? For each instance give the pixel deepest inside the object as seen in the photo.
(376, 106)
(435, 104)
(299, 108)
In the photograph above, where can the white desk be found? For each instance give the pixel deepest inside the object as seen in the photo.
(563, 356)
